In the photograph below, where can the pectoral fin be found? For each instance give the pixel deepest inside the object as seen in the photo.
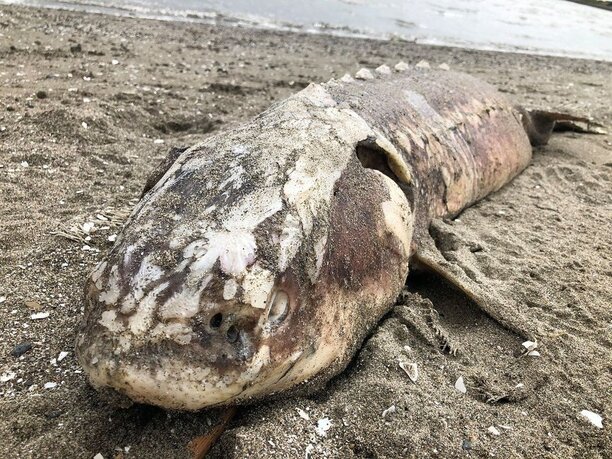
(429, 258)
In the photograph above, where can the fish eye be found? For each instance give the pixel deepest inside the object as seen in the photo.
(279, 306)
(216, 320)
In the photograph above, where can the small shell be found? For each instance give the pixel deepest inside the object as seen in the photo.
(389, 411)
(530, 345)
(493, 431)
(411, 370)
(401, 66)
(364, 74)
(593, 418)
(347, 78)
(383, 70)
(460, 385)
(444, 66)
(423, 65)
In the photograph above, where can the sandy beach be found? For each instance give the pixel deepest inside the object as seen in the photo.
(89, 104)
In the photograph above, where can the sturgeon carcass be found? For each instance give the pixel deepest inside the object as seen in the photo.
(258, 260)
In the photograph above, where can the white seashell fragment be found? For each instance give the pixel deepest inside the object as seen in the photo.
(62, 355)
(383, 70)
(530, 345)
(493, 431)
(323, 425)
(388, 411)
(460, 385)
(423, 65)
(533, 354)
(347, 78)
(444, 66)
(4, 377)
(401, 66)
(303, 414)
(39, 315)
(364, 74)
(87, 227)
(411, 370)
(593, 418)
(50, 385)
(112, 238)
(2, 299)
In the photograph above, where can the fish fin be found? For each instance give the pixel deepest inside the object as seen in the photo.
(540, 124)
(200, 446)
(161, 169)
(429, 258)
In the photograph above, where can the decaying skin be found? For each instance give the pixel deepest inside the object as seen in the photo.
(259, 259)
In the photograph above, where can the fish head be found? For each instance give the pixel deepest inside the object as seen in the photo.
(259, 261)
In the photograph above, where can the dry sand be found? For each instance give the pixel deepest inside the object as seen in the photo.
(85, 102)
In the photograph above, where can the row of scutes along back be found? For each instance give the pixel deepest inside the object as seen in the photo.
(383, 70)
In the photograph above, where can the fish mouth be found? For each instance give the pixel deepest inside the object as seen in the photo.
(227, 352)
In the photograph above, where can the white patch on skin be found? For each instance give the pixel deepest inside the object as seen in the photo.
(253, 209)
(239, 150)
(111, 295)
(97, 273)
(235, 177)
(257, 285)
(320, 249)
(142, 319)
(420, 104)
(318, 96)
(229, 289)
(184, 304)
(178, 332)
(109, 320)
(147, 273)
(235, 250)
(289, 241)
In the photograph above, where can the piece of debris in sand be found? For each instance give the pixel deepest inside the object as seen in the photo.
(386, 413)
(593, 418)
(50, 385)
(5, 377)
(493, 431)
(411, 370)
(33, 305)
(530, 347)
(39, 315)
(303, 414)
(460, 385)
(323, 425)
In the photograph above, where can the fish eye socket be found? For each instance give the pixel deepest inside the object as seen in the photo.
(216, 320)
(279, 306)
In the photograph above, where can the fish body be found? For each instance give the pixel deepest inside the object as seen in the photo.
(259, 259)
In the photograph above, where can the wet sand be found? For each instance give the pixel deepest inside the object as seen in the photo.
(89, 104)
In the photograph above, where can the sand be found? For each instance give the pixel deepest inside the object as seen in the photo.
(89, 104)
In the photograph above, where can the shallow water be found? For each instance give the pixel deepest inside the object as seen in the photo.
(554, 27)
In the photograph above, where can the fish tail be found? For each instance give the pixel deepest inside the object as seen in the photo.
(540, 124)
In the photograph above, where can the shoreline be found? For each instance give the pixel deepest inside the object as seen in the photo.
(89, 104)
(259, 23)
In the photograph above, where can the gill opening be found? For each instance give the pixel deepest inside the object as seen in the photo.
(379, 154)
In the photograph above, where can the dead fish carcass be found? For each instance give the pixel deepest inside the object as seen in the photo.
(259, 259)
